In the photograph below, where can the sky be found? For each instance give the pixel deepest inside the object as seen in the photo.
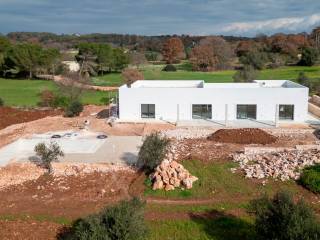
(157, 17)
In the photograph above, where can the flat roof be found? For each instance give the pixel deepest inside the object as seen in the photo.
(202, 84)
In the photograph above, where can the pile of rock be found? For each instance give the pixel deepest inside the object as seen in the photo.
(171, 175)
(283, 165)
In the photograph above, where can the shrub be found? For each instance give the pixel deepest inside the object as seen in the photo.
(309, 57)
(123, 221)
(61, 101)
(247, 74)
(48, 154)
(256, 59)
(282, 219)
(1, 102)
(129, 76)
(303, 79)
(153, 151)
(169, 68)
(310, 178)
(47, 98)
(74, 109)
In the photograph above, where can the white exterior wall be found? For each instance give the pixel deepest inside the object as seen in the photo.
(166, 101)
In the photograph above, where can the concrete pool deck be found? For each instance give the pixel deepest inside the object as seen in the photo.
(79, 147)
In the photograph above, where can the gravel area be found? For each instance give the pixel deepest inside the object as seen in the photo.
(188, 133)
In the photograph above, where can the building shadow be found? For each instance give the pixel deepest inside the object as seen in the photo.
(222, 226)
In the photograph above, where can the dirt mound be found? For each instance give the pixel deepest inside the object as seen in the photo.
(10, 116)
(242, 136)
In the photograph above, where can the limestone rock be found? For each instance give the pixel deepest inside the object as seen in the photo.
(170, 175)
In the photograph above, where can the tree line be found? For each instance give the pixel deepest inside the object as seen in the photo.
(26, 59)
(31, 59)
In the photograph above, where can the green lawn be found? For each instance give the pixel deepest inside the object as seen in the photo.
(153, 72)
(220, 228)
(26, 92)
(230, 194)
(216, 181)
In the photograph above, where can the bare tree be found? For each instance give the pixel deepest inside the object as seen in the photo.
(173, 50)
(202, 58)
(129, 76)
(221, 50)
(137, 59)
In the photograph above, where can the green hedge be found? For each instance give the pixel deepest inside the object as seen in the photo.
(310, 178)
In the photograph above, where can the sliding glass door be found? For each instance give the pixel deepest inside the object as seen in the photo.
(201, 111)
(247, 111)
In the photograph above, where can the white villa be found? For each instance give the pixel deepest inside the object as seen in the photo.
(268, 101)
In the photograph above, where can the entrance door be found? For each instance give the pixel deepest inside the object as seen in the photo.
(246, 111)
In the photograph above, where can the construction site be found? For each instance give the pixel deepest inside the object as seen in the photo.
(100, 165)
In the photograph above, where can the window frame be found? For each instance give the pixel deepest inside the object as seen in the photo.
(287, 117)
(246, 106)
(149, 114)
(202, 113)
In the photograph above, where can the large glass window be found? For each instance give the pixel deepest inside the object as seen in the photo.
(286, 112)
(246, 111)
(201, 111)
(148, 110)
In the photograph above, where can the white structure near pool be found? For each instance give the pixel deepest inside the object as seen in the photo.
(262, 101)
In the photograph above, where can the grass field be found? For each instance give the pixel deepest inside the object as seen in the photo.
(216, 180)
(220, 228)
(230, 194)
(155, 73)
(26, 92)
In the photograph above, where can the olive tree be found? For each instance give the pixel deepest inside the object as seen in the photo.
(280, 218)
(48, 154)
(153, 150)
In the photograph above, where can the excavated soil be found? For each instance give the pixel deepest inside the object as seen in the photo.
(243, 136)
(10, 116)
(28, 230)
(68, 197)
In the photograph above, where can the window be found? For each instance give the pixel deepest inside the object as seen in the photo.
(148, 110)
(286, 112)
(201, 111)
(246, 111)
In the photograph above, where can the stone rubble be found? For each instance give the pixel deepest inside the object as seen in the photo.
(282, 165)
(188, 133)
(171, 175)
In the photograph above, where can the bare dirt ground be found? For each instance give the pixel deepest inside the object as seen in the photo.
(26, 210)
(69, 197)
(10, 116)
(28, 230)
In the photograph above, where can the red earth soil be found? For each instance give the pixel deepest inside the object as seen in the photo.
(10, 116)
(243, 136)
